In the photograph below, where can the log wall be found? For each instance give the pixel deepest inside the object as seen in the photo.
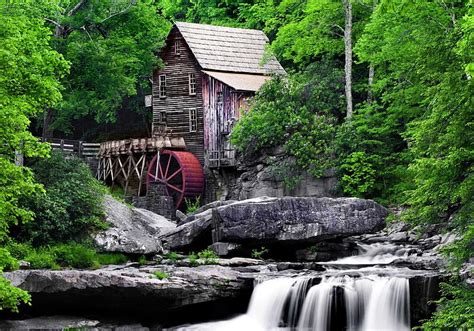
(177, 102)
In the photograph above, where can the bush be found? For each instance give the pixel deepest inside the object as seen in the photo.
(296, 114)
(172, 256)
(71, 255)
(111, 258)
(192, 206)
(76, 256)
(208, 256)
(161, 274)
(71, 206)
(192, 257)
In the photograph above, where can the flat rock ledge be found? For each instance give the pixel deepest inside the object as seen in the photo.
(278, 221)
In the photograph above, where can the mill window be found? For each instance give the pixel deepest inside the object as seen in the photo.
(177, 47)
(192, 84)
(162, 86)
(193, 120)
(162, 117)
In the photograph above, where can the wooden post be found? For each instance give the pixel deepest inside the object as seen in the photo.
(79, 152)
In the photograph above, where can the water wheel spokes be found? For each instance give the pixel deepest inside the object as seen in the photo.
(180, 172)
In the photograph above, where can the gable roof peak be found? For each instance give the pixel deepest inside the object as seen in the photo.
(228, 49)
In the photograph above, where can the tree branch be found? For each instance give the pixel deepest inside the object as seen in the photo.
(53, 22)
(120, 12)
(76, 7)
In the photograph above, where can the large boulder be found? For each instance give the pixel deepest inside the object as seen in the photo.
(277, 221)
(193, 234)
(296, 220)
(132, 230)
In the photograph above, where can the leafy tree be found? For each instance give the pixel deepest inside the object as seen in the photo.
(29, 81)
(111, 45)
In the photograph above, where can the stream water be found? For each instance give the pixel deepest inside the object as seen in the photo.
(361, 292)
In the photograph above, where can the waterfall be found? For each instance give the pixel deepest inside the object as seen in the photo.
(377, 253)
(348, 299)
(336, 303)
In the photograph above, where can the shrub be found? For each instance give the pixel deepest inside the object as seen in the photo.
(357, 174)
(293, 112)
(160, 274)
(142, 260)
(42, 258)
(192, 257)
(76, 256)
(172, 256)
(72, 255)
(192, 206)
(111, 258)
(71, 206)
(258, 253)
(208, 256)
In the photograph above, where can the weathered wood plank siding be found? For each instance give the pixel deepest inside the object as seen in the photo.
(222, 106)
(178, 101)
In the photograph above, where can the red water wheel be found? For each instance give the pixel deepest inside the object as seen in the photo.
(180, 172)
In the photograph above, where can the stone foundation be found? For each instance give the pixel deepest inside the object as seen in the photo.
(156, 200)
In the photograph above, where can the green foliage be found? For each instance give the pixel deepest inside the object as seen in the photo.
(208, 256)
(461, 250)
(111, 258)
(70, 208)
(192, 206)
(258, 253)
(298, 113)
(11, 297)
(358, 174)
(160, 274)
(172, 256)
(29, 82)
(70, 255)
(142, 260)
(193, 259)
(456, 311)
(115, 40)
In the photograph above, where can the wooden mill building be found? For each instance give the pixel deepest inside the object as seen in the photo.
(208, 75)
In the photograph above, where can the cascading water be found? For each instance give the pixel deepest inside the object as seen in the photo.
(339, 300)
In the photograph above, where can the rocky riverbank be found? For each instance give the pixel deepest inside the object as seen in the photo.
(326, 238)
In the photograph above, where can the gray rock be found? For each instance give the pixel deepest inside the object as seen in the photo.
(225, 249)
(180, 216)
(48, 323)
(206, 207)
(192, 234)
(136, 288)
(467, 273)
(132, 230)
(292, 219)
(398, 237)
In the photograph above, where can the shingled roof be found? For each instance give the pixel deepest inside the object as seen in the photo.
(229, 49)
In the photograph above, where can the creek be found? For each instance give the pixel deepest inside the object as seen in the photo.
(361, 292)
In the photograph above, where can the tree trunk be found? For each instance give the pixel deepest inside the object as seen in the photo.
(47, 120)
(348, 55)
(371, 82)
